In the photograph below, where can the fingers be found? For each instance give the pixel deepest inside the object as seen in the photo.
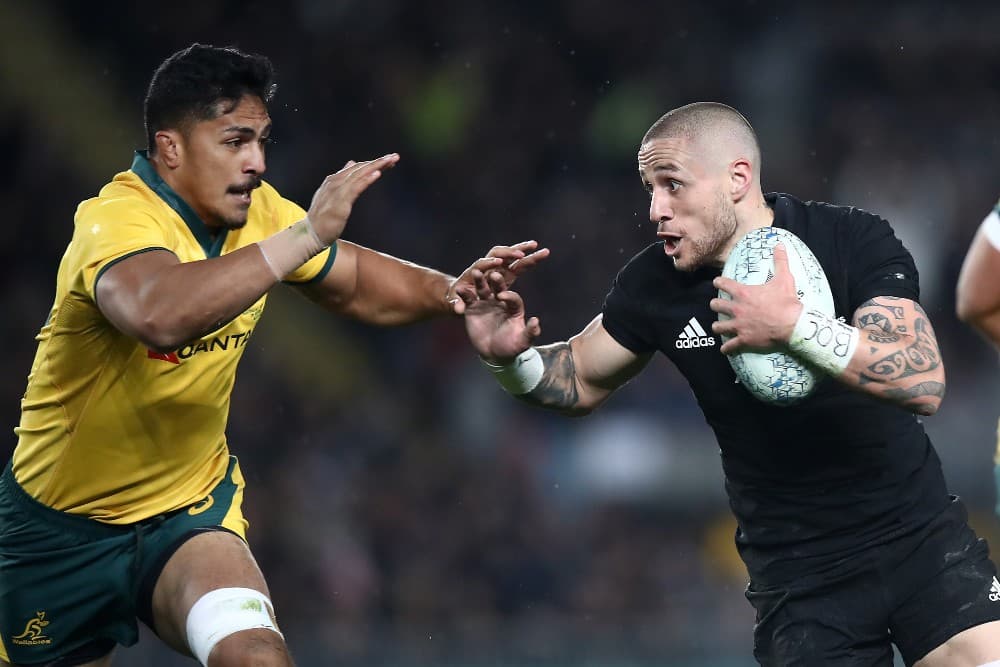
(353, 173)
(484, 264)
(529, 261)
(518, 249)
(780, 259)
(724, 306)
(497, 282)
(512, 301)
(465, 295)
(727, 285)
(533, 328)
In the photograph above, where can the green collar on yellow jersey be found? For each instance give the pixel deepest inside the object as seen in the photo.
(144, 170)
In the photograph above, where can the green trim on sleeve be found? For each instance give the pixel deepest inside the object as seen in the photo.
(211, 244)
(118, 259)
(327, 265)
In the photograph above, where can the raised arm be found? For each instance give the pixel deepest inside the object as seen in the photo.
(581, 373)
(977, 296)
(573, 377)
(888, 351)
(164, 303)
(380, 289)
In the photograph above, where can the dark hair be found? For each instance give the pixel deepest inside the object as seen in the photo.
(189, 86)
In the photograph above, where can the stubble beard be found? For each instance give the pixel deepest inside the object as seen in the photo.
(708, 248)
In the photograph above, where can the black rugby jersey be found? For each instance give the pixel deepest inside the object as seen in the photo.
(815, 483)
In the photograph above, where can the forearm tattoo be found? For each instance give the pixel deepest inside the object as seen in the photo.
(557, 388)
(886, 324)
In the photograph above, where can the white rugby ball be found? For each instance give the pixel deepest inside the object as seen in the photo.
(775, 377)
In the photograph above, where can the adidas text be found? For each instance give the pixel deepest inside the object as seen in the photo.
(693, 335)
(701, 341)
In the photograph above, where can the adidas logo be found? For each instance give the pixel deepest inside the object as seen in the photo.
(694, 335)
(995, 590)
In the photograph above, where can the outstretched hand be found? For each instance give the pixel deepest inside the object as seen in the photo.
(508, 262)
(762, 317)
(332, 203)
(494, 317)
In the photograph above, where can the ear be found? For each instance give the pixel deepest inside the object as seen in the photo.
(169, 147)
(740, 178)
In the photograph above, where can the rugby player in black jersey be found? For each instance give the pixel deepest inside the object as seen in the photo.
(849, 534)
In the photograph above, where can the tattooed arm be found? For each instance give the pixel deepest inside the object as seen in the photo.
(582, 372)
(573, 376)
(897, 357)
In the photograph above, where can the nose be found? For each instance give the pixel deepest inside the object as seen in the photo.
(660, 208)
(255, 164)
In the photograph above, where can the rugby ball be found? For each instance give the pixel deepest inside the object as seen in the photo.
(775, 377)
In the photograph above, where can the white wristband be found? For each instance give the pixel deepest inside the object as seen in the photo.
(522, 374)
(991, 229)
(823, 341)
(291, 248)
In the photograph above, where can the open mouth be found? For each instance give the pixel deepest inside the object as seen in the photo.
(242, 193)
(243, 196)
(671, 243)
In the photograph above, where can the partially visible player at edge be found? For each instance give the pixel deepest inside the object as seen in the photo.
(122, 500)
(850, 537)
(977, 297)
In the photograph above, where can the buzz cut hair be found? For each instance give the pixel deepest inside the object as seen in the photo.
(203, 82)
(708, 123)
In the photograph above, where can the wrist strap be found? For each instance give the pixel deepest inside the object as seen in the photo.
(291, 248)
(520, 375)
(823, 341)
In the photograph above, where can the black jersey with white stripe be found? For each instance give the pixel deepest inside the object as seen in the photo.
(815, 483)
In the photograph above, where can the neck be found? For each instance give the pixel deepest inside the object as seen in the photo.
(750, 215)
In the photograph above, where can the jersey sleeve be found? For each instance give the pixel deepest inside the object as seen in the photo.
(880, 264)
(623, 315)
(288, 213)
(110, 231)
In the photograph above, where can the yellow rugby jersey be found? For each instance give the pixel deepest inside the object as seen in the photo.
(109, 428)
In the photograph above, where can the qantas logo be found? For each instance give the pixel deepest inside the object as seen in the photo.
(694, 335)
(219, 343)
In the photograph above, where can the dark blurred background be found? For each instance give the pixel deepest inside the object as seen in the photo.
(404, 509)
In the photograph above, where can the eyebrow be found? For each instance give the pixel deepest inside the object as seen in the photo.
(243, 129)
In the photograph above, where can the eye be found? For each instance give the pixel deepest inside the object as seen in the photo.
(673, 185)
(234, 143)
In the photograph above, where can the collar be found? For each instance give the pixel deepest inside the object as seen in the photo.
(143, 168)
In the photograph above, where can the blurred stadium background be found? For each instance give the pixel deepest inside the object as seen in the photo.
(405, 511)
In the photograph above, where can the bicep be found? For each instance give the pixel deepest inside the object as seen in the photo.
(339, 286)
(897, 340)
(122, 289)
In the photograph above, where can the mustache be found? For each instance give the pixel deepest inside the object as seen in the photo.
(252, 184)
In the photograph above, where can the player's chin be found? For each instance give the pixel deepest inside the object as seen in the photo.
(686, 264)
(235, 220)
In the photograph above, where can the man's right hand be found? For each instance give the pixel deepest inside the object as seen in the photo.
(494, 318)
(333, 201)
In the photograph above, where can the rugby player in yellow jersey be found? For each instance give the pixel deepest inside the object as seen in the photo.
(977, 296)
(121, 501)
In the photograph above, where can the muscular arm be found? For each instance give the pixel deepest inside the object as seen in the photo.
(897, 357)
(582, 372)
(164, 303)
(977, 297)
(379, 289)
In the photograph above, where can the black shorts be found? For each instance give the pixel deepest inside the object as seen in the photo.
(915, 592)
